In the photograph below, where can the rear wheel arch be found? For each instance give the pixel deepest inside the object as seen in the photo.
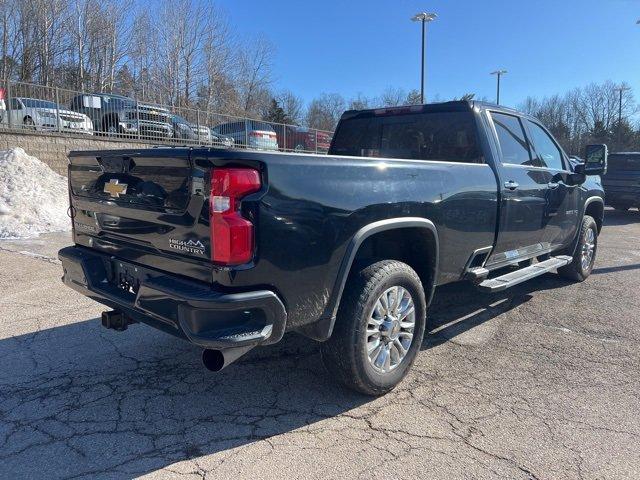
(413, 240)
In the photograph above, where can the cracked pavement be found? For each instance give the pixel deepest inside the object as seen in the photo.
(541, 381)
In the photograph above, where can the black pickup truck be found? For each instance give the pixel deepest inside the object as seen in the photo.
(231, 249)
(622, 181)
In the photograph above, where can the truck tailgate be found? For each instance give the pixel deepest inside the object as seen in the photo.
(147, 206)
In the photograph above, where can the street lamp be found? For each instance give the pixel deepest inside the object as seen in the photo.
(621, 89)
(423, 17)
(498, 73)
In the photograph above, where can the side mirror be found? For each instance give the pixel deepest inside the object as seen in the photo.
(595, 162)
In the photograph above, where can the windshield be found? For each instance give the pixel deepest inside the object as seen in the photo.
(116, 102)
(444, 136)
(261, 126)
(179, 119)
(32, 103)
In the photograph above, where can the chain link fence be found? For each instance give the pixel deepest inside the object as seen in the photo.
(52, 110)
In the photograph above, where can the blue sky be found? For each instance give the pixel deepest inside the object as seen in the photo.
(357, 46)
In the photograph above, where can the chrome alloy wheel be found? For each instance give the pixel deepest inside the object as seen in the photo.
(588, 249)
(390, 329)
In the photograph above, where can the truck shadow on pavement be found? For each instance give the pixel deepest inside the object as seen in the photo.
(459, 307)
(80, 401)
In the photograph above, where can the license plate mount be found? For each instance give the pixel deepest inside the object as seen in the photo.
(126, 277)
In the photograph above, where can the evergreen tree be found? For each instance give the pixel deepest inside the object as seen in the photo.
(276, 113)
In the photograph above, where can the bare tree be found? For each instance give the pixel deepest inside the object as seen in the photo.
(584, 115)
(10, 29)
(254, 75)
(392, 97)
(292, 105)
(325, 111)
(360, 102)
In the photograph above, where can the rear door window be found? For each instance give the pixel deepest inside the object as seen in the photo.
(513, 142)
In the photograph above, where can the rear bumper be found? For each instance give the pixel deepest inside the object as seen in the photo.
(188, 309)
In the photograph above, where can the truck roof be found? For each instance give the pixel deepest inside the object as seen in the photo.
(451, 106)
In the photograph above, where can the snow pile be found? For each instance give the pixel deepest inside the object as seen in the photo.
(33, 198)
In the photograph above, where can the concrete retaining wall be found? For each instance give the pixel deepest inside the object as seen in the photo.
(53, 149)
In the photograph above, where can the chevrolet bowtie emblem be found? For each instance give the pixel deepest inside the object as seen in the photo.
(115, 188)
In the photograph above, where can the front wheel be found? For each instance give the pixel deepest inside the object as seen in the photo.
(379, 328)
(585, 254)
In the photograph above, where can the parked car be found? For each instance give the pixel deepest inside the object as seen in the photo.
(36, 114)
(346, 251)
(203, 133)
(622, 180)
(183, 129)
(219, 140)
(249, 133)
(301, 139)
(119, 116)
(3, 105)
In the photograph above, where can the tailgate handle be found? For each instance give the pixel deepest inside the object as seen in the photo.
(112, 164)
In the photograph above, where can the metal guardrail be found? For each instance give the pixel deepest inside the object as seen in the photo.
(53, 110)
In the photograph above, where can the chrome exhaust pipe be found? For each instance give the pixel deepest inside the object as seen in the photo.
(216, 360)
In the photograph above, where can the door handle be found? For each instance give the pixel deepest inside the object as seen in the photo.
(511, 185)
(553, 185)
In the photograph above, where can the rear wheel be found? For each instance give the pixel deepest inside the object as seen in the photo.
(113, 131)
(379, 328)
(585, 254)
(29, 123)
(621, 208)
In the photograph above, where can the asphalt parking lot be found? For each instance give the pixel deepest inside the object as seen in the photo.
(542, 381)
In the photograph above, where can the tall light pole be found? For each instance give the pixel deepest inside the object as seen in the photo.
(498, 73)
(423, 17)
(621, 89)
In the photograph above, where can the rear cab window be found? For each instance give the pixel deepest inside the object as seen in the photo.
(418, 134)
(260, 126)
(618, 162)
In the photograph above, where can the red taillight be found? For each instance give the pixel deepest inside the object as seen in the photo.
(231, 233)
(271, 135)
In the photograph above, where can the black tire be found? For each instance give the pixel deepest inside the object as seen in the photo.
(110, 127)
(577, 270)
(28, 123)
(621, 208)
(345, 353)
